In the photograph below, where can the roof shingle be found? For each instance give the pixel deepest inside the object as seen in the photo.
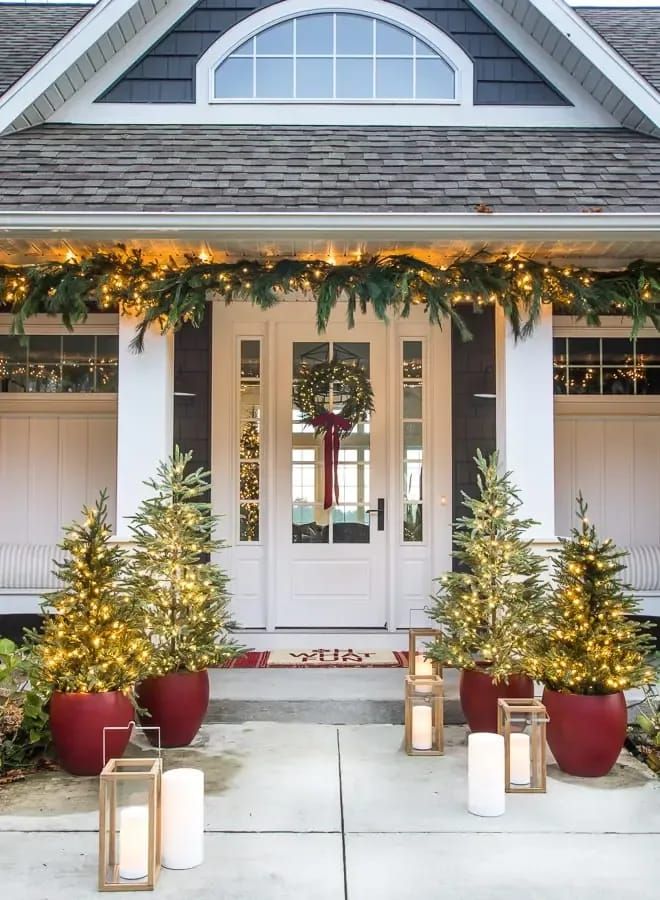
(634, 32)
(253, 168)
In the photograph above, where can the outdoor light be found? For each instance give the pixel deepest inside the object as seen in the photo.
(418, 664)
(183, 818)
(130, 824)
(424, 715)
(522, 723)
(486, 796)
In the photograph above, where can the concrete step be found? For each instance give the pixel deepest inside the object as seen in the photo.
(321, 712)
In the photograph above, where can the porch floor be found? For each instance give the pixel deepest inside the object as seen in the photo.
(341, 813)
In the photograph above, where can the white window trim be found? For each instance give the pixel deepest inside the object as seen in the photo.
(289, 9)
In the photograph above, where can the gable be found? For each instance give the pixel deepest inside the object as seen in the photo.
(633, 32)
(166, 73)
(28, 32)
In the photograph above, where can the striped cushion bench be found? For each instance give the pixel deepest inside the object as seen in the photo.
(642, 575)
(29, 567)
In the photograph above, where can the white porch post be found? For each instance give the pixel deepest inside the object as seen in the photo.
(145, 410)
(525, 419)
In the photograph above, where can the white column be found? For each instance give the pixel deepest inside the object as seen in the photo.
(525, 419)
(144, 415)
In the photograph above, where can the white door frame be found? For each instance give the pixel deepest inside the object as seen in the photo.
(410, 567)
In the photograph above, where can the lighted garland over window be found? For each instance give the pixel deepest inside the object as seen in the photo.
(174, 294)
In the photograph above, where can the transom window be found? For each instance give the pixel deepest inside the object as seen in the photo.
(334, 56)
(594, 365)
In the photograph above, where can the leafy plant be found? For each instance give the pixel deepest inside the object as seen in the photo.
(491, 611)
(24, 729)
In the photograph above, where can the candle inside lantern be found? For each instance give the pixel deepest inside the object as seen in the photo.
(422, 727)
(133, 842)
(519, 757)
(423, 666)
(486, 795)
(183, 818)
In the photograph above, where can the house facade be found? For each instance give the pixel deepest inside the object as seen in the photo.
(311, 129)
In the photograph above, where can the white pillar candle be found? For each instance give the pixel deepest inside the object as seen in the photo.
(133, 842)
(486, 796)
(519, 756)
(422, 727)
(423, 666)
(183, 818)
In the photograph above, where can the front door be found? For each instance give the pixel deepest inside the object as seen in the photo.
(331, 569)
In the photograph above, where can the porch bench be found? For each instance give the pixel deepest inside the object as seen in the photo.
(26, 574)
(642, 575)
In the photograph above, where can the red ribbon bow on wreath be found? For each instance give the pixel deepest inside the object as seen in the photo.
(333, 427)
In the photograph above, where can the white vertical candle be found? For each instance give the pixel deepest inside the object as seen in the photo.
(519, 756)
(183, 818)
(422, 727)
(133, 842)
(486, 796)
(423, 666)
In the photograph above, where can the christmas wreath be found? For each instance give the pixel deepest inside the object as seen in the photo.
(311, 396)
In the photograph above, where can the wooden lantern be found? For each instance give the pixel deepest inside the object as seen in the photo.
(130, 832)
(424, 716)
(522, 723)
(417, 663)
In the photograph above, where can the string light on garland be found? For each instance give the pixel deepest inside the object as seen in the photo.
(174, 294)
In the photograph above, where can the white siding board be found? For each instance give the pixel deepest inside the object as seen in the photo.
(101, 461)
(618, 480)
(14, 467)
(73, 468)
(646, 482)
(43, 481)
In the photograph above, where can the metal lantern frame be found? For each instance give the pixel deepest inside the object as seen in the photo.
(425, 690)
(511, 712)
(144, 772)
(414, 636)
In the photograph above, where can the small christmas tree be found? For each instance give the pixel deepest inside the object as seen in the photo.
(95, 640)
(593, 647)
(184, 595)
(491, 611)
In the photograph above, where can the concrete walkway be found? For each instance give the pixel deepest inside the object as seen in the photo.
(322, 812)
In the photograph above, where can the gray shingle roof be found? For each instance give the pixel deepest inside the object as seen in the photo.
(27, 32)
(206, 167)
(634, 32)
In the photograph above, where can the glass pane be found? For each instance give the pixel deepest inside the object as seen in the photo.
(274, 77)
(249, 442)
(233, 78)
(412, 474)
(617, 350)
(107, 350)
(307, 354)
(423, 49)
(412, 522)
(353, 352)
(250, 359)
(350, 525)
(249, 486)
(314, 78)
(354, 78)
(246, 49)
(78, 363)
(250, 400)
(584, 350)
(314, 34)
(648, 381)
(390, 39)
(583, 380)
(560, 379)
(559, 350)
(648, 351)
(412, 359)
(249, 522)
(310, 525)
(412, 401)
(354, 34)
(619, 380)
(394, 78)
(435, 79)
(13, 365)
(44, 363)
(412, 437)
(276, 39)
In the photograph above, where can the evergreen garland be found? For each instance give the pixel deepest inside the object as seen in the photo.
(174, 294)
(182, 594)
(491, 612)
(93, 637)
(593, 647)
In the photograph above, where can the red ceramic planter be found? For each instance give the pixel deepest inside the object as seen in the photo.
(77, 722)
(479, 696)
(177, 704)
(586, 733)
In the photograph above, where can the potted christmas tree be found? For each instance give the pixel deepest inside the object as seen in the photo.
(491, 609)
(594, 652)
(184, 597)
(92, 649)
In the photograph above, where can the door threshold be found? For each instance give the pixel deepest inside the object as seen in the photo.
(311, 639)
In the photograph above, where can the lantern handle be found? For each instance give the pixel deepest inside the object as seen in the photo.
(132, 727)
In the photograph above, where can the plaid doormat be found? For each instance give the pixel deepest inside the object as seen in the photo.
(320, 659)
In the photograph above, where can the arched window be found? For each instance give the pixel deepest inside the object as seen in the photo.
(334, 57)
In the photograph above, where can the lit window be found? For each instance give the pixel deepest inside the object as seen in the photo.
(334, 56)
(59, 364)
(594, 365)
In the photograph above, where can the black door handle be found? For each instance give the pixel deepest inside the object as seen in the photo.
(380, 513)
